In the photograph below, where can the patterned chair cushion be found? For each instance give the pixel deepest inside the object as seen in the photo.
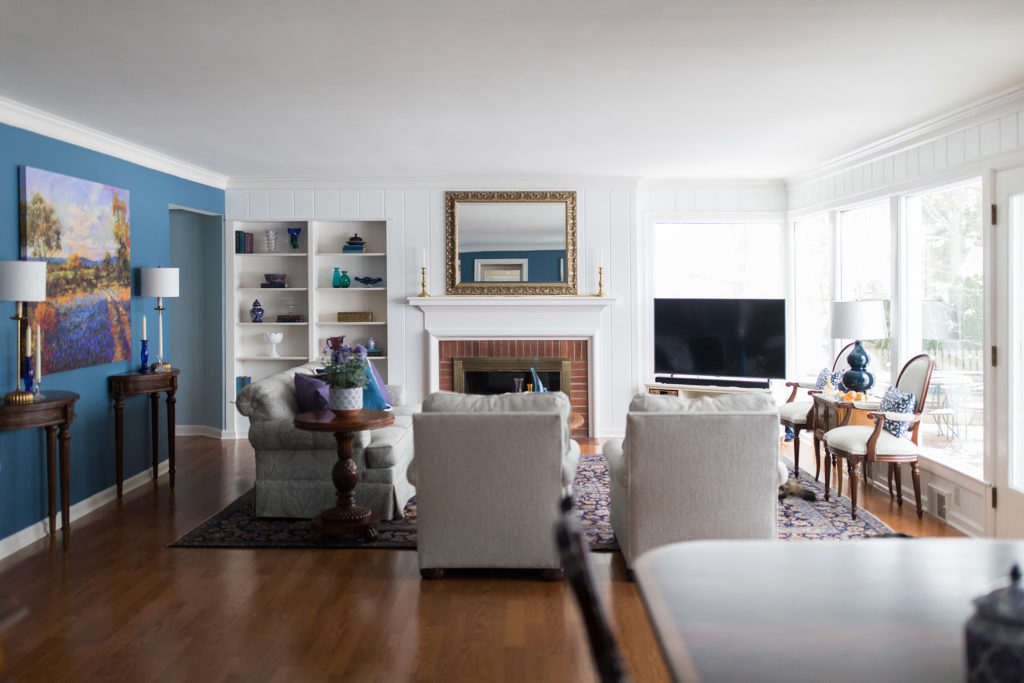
(895, 401)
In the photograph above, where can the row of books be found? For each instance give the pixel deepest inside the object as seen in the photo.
(242, 381)
(353, 249)
(243, 242)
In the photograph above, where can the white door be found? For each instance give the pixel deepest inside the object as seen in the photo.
(1008, 441)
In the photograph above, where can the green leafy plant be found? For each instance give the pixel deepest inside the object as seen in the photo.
(347, 366)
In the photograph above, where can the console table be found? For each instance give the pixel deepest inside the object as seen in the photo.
(152, 383)
(54, 411)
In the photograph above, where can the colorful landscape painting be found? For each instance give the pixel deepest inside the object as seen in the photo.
(81, 229)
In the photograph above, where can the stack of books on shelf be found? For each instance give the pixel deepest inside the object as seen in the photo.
(242, 381)
(355, 245)
(243, 242)
(291, 318)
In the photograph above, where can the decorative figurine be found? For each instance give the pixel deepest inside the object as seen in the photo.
(256, 312)
(367, 281)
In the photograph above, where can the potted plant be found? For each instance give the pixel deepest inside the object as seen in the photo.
(345, 375)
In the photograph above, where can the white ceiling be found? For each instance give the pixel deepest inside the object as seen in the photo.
(417, 89)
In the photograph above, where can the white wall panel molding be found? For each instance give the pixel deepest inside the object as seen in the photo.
(738, 197)
(448, 183)
(982, 135)
(38, 121)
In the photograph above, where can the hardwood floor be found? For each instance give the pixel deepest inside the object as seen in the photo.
(121, 606)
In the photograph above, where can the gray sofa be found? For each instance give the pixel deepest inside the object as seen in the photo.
(293, 466)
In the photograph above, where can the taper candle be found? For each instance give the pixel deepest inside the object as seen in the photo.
(28, 340)
(602, 259)
(424, 258)
(144, 328)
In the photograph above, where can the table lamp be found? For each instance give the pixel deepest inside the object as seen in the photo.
(21, 281)
(159, 282)
(858, 320)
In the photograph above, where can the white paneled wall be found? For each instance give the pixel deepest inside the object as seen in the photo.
(942, 151)
(416, 223)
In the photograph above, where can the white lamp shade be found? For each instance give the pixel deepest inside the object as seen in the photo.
(158, 282)
(23, 280)
(858, 320)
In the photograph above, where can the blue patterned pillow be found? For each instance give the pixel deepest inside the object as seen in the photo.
(819, 383)
(895, 401)
(837, 380)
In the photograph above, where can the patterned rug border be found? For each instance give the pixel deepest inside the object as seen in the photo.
(235, 527)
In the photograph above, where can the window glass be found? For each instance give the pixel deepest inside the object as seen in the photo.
(812, 295)
(865, 272)
(944, 308)
(718, 261)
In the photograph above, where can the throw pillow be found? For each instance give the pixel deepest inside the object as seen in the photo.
(895, 401)
(837, 381)
(819, 383)
(311, 393)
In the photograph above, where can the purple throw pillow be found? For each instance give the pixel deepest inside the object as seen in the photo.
(311, 393)
(380, 385)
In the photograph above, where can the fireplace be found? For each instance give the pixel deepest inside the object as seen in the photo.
(564, 359)
(499, 375)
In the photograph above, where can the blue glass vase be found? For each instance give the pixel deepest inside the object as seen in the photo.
(344, 280)
(336, 279)
(144, 355)
(28, 375)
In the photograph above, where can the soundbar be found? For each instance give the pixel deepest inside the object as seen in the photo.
(713, 381)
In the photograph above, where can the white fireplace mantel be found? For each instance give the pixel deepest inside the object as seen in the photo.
(515, 317)
(510, 317)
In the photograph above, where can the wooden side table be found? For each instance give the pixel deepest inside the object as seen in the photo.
(54, 412)
(829, 413)
(346, 517)
(152, 383)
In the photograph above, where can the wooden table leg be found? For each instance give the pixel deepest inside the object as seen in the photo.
(51, 474)
(154, 420)
(346, 517)
(853, 467)
(65, 478)
(170, 434)
(119, 441)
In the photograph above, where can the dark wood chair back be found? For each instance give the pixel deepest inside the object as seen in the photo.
(572, 546)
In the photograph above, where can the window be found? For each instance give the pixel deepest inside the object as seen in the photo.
(944, 317)
(865, 272)
(812, 295)
(718, 261)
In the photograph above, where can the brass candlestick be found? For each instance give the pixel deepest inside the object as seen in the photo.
(423, 281)
(600, 281)
(19, 396)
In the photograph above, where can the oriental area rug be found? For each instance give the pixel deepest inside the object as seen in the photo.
(235, 527)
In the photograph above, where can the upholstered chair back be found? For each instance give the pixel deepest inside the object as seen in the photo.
(915, 377)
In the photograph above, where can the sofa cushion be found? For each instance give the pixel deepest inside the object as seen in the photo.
(382, 388)
(742, 402)
(373, 398)
(389, 443)
(311, 393)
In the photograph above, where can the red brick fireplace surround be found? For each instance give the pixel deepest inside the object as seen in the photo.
(574, 349)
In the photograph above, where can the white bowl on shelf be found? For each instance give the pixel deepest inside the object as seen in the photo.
(273, 338)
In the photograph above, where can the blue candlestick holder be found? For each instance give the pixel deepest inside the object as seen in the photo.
(28, 374)
(144, 355)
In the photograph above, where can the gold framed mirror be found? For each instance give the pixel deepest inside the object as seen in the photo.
(510, 243)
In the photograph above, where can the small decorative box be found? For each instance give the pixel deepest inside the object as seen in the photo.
(995, 634)
(355, 317)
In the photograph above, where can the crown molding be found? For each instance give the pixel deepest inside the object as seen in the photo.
(442, 182)
(913, 135)
(774, 184)
(44, 123)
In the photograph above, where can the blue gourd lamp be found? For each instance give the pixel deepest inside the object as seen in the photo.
(858, 320)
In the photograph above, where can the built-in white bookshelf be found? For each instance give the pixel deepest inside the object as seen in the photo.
(309, 292)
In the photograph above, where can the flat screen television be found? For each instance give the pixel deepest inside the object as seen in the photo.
(728, 338)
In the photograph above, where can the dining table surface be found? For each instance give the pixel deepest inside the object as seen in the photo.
(875, 609)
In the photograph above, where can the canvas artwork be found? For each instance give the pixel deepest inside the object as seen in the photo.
(81, 229)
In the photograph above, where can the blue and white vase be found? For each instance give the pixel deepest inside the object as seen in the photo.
(345, 400)
(256, 312)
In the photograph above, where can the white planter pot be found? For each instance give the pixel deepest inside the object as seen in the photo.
(348, 401)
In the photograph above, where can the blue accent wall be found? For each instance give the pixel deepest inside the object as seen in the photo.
(23, 499)
(543, 264)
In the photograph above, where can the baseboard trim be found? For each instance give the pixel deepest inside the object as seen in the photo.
(201, 430)
(41, 529)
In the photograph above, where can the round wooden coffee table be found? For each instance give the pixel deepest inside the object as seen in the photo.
(346, 517)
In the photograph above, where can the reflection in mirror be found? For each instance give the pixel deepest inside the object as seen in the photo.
(511, 242)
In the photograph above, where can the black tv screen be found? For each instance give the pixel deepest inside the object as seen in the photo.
(720, 337)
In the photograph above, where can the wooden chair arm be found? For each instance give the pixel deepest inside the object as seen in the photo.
(797, 386)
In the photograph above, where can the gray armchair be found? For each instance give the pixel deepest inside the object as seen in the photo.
(490, 473)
